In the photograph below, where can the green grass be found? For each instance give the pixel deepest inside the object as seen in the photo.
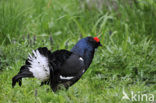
(127, 60)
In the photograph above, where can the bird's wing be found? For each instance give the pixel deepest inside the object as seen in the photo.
(66, 63)
(65, 66)
(72, 66)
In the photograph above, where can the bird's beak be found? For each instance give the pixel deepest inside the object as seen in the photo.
(100, 44)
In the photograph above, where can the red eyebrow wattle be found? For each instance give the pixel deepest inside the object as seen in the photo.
(96, 39)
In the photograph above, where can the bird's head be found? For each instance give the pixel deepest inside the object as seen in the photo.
(86, 44)
(94, 41)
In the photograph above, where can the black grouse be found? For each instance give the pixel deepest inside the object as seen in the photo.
(59, 67)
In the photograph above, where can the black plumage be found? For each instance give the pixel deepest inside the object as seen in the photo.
(61, 66)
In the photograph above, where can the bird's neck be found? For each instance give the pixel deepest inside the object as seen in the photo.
(87, 53)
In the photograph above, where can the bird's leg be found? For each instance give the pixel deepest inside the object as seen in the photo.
(68, 83)
(53, 84)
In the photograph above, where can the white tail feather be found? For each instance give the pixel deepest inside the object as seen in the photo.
(39, 66)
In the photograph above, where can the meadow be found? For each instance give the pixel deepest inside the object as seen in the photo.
(126, 63)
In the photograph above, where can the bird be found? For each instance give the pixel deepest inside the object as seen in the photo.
(61, 67)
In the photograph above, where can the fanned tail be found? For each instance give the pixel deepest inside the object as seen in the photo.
(37, 65)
